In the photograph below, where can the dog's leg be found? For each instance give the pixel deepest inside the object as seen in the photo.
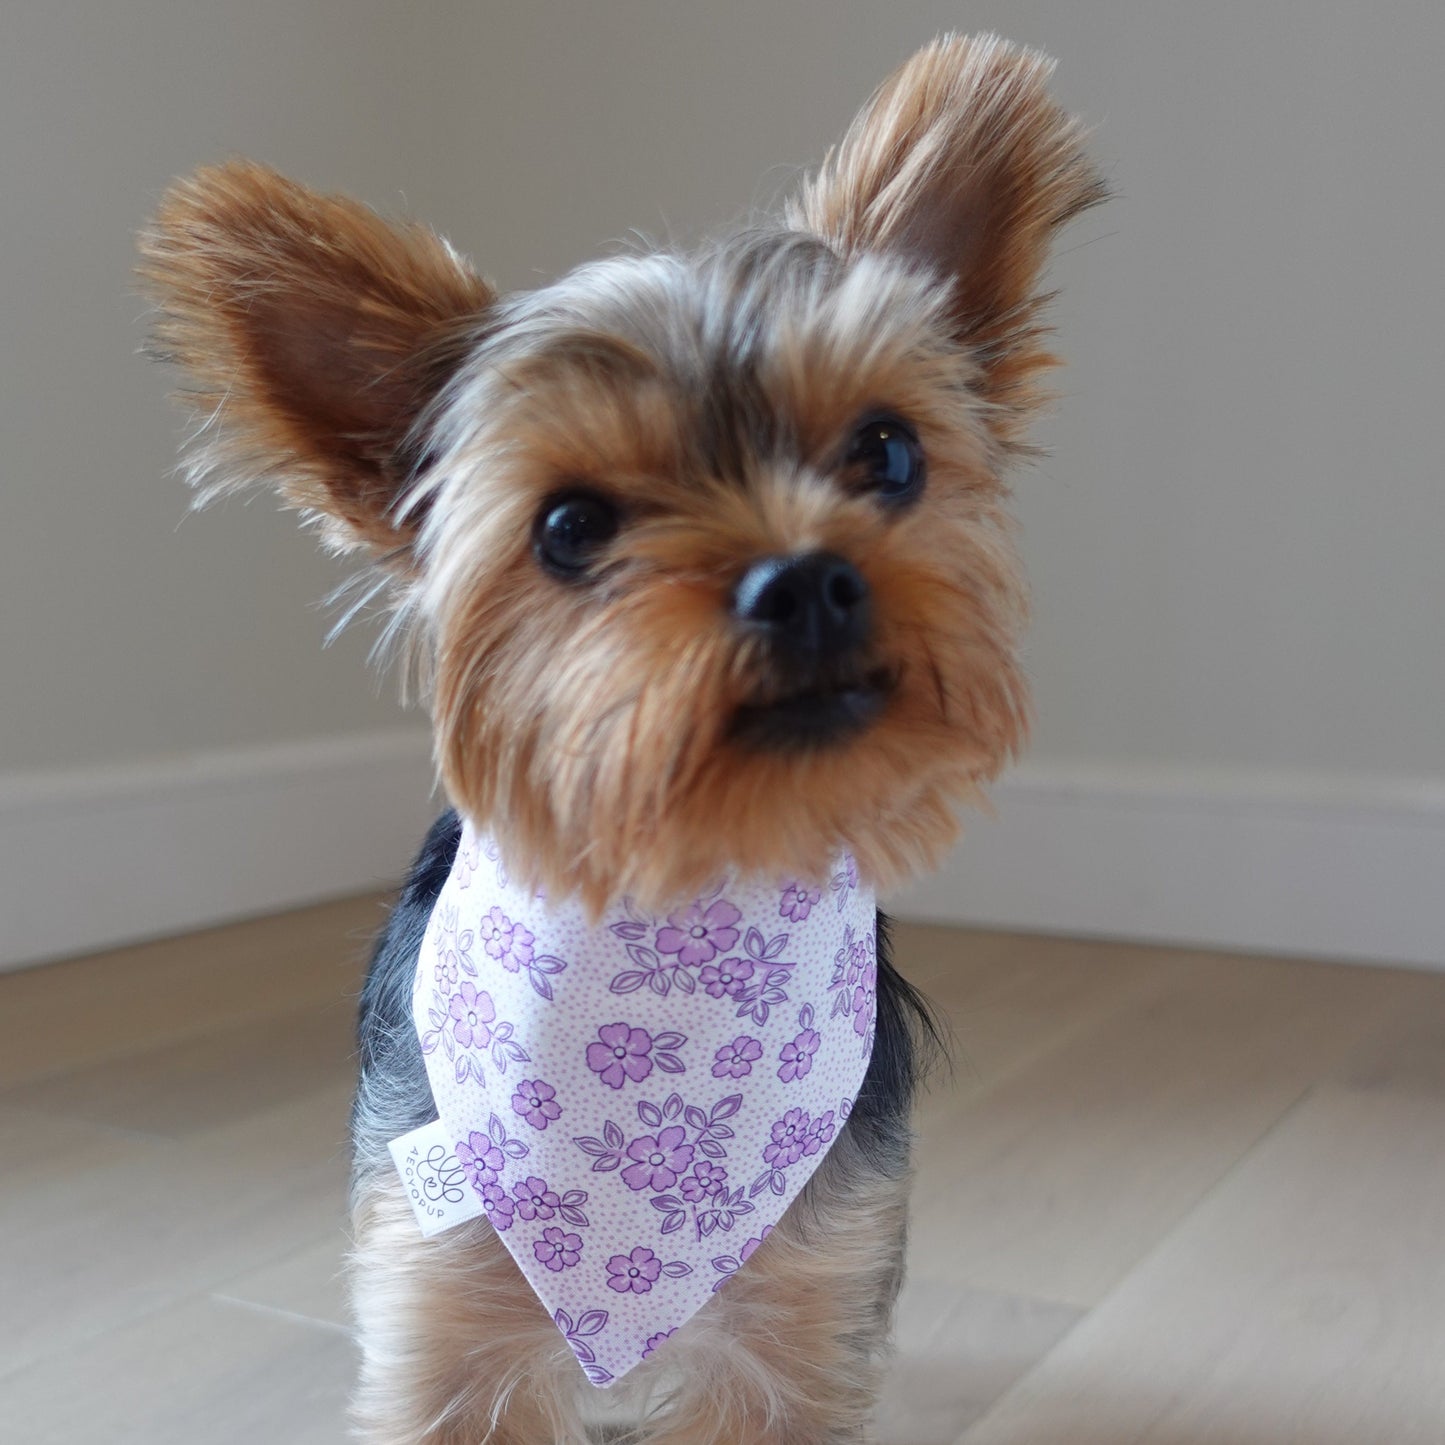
(455, 1348)
(792, 1349)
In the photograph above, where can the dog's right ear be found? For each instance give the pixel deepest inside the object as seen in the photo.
(316, 334)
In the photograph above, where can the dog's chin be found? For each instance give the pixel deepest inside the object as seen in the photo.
(823, 715)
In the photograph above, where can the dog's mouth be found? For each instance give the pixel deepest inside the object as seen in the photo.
(820, 715)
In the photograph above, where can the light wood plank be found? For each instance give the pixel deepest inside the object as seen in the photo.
(308, 1283)
(198, 1373)
(1408, 1051)
(71, 1015)
(1304, 1302)
(182, 1088)
(98, 1228)
(1008, 999)
(1054, 1183)
(958, 1350)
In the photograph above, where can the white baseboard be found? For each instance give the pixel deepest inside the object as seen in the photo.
(99, 857)
(1295, 864)
(1313, 866)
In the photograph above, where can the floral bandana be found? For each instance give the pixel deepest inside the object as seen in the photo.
(634, 1103)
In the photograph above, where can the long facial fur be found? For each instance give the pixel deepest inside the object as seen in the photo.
(366, 372)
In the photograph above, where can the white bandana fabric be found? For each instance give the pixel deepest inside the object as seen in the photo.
(635, 1102)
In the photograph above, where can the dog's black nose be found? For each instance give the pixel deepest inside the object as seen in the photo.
(813, 602)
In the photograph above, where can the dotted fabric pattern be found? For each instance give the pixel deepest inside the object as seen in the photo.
(636, 1102)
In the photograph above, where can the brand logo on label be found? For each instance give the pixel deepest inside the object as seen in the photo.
(435, 1182)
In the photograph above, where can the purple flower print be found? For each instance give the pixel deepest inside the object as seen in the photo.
(736, 1059)
(557, 1249)
(453, 947)
(534, 1199)
(796, 1058)
(819, 1132)
(705, 1180)
(857, 958)
(509, 943)
(473, 1014)
(498, 1206)
(658, 1161)
(697, 935)
(622, 1054)
(728, 977)
(655, 1342)
(469, 857)
(746, 1252)
(727, 1266)
(864, 1003)
(536, 1101)
(481, 1160)
(789, 1135)
(798, 901)
(633, 1273)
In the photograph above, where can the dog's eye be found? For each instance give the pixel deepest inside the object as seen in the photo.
(887, 454)
(571, 530)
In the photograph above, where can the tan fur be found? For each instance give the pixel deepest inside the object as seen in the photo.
(589, 727)
(962, 160)
(315, 332)
(456, 1350)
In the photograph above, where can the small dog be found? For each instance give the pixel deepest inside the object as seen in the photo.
(706, 561)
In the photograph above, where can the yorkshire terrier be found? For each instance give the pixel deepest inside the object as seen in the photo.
(706, 563)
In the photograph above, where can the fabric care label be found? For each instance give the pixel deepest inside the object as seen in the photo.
(436, 1183)
(633, 1103)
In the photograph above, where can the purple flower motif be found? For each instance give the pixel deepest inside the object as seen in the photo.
(736, 1059)
(557, 1249)
(473, 1014)
(728, 977)
(654, 1342)
(658, 1161)
(798, 901)
(498, 1206)
(622, 1054)
(865, 997)
(481, 1160)
(746, 1252)
(857, 958)
(534, 1199)
(633, 1273)
(797, 1057)
(819, 1132)
(468, 860)
(536, 1101)
(706, 1179)
(789, 1135)
(509, 943)
(863, 1009)
(697, 935)
(453, 946)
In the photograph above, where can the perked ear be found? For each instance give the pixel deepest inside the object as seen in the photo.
(316, 334)
(961, 162)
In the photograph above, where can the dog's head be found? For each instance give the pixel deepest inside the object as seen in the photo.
(706, 555)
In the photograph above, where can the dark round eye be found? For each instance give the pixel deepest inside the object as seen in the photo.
(887, 453)
(571, 530)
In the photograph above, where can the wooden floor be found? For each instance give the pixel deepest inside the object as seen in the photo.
(1167, 1198)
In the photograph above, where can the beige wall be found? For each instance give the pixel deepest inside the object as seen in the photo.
(1236, 547)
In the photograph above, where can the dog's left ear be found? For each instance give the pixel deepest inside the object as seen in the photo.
(316, 332)
(962, 163)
